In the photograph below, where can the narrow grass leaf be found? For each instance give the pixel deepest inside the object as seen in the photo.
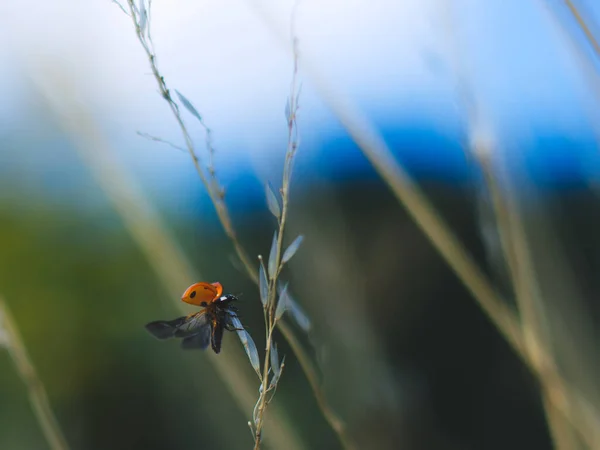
(274, 359)
(143, 16)
(248, 344)
(4, 340)
(292, 249)
(294, 310)
(277, 375)
(135, 8)
(298, 314)
(263, 284)
(255, 411)
(282, 303)
(273, 256)
(272, 201)
(188, 105)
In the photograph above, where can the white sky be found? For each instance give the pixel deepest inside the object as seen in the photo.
(222, 54)
(224, 57)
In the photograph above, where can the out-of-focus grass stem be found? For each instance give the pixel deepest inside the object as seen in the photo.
(531, 308)
(211, 185)
(584, 27)
(304, 359)
(522, 277)
(435, 228)
(146, 227)
(558, 401)
(35, 389)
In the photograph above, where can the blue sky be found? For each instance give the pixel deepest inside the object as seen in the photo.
(399, 62)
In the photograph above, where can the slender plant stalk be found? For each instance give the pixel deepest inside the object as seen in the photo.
(407, 192)
(587, 63)
(308, 367)
(149, 232)
(584, 27)
(337, 424)
(35, 389)
(435, 228)
(534, 323)
(515, 247)
(262, 406)
(535, 329)
(211, 185)
(513, 244)
(272, 296)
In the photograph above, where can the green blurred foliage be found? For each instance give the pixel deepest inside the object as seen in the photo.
(81, 292)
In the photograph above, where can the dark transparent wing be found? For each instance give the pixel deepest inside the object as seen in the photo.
(192, 325)
(165, 329)
(199, 340)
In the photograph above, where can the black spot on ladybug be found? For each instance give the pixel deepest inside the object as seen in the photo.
(193, 294)
(203, 304)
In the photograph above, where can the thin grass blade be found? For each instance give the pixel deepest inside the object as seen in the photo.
(274, 359)
(273, 256)
(277, 375)
(188, 105)
(282, 303)
(143, 14)
(295, 310)
(248, 344)
(272, 201)
(4, 339)
(292, 249)
(255, 411)
(263, 284)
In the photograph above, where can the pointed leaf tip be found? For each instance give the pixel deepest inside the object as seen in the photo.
(277, 374)
(272, 201)
(295, 311)
(273, 256)
(248, 344)
(263, 284)
(282, 303)
(143, 20)
(274, 359)
(188, 105)
(298, 315)
(292, 249)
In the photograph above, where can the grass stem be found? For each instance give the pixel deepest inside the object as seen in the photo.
(35, 389)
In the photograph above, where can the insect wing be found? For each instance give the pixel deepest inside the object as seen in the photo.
(199, 340)
(201, 294)
(193, 324)
(165, 329)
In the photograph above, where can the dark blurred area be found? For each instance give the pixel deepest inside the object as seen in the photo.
(81, 292)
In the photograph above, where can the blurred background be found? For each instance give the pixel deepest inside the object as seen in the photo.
(102, 229)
